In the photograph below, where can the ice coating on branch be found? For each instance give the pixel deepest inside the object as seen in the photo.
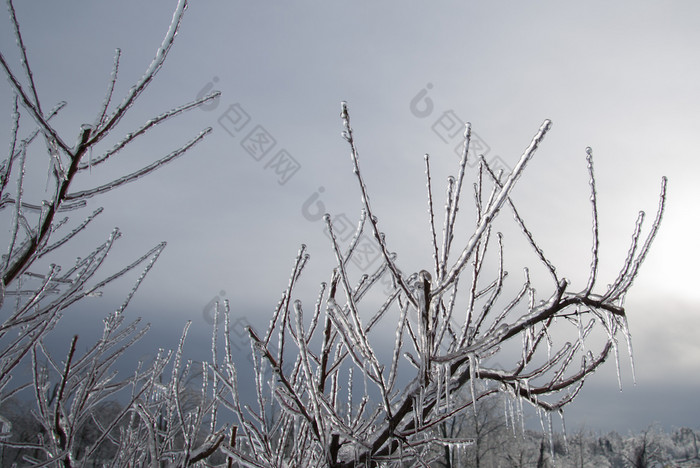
(148, 76)
(594, 249)
(503, 194)
(139, 173)
(131, 136)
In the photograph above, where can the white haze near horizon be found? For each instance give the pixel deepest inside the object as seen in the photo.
(620, 78)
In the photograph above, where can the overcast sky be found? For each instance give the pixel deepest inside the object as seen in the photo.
(620, 77)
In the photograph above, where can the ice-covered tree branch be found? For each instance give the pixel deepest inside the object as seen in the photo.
(35, 290)
(370, 420)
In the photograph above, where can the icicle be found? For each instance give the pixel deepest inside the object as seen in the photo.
(505, 411)
(617, 363)
(550, 433)
(438, 379)
(420, 406)
(541, 418)
(579, 323)
(563, 429)
(628, 338)
(349, 409)
(472, 378)
(511, 412)
(521, 411)
(526, 383)
(447, 386)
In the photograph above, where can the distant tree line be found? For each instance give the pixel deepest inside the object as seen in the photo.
(493, 441)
